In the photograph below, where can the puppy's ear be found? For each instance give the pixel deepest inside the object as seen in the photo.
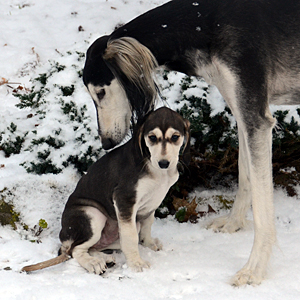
(140, 139)
(186, 155)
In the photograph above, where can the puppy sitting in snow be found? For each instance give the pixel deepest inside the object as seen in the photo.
(113, 205)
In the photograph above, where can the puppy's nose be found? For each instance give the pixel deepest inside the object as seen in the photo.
(163, 164)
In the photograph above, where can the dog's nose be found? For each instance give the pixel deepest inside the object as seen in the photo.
(108, 143)
(163, 164)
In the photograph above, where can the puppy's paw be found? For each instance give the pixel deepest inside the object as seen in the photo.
(95, 265)
(108, 258)
(110, 261)
(138, 265)
(154, 244)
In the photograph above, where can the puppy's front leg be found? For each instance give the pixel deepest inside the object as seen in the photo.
(129, 239)
(145, 235)
(129, 245)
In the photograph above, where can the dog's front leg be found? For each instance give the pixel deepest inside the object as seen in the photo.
(129, 241)
(145, 235)
(129, 245)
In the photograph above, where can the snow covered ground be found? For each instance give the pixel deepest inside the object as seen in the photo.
(195, 263)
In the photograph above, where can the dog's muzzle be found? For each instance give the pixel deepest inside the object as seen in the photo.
(108, 143)
(163, 164)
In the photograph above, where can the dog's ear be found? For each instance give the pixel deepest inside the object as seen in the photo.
(132, 63)
(140, 144)
(140, 139)
(186, 155)
(134, 60)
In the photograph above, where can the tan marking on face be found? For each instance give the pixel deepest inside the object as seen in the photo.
(164, 146)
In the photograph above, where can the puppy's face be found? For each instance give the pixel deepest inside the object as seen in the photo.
(161, 136)
(164, 147)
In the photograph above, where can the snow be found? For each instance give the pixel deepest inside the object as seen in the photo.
(195, 263)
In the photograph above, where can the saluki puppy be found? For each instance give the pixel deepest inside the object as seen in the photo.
(113, 205)
(249, 49)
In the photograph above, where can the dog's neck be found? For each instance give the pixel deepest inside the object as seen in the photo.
(171, 37)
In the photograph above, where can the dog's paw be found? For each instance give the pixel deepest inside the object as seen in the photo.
(154, 244)
(108, 258)
(227, 224)
(138, 265)
(97, 263)
(245, 276)
(93, 264)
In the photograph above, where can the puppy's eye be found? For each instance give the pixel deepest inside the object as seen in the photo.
(152, 138)
(101, 94)
(174, 138)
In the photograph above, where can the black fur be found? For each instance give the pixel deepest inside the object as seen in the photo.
(96, 70)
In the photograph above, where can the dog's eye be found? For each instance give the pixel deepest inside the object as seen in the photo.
(101, 94)
(174, 138)
(152, 138)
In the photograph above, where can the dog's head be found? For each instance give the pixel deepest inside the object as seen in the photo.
(117, 74)
(161, 137)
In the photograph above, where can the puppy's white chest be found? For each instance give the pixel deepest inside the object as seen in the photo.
(152, 190)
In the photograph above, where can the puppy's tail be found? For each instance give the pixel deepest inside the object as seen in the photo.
(48, 263)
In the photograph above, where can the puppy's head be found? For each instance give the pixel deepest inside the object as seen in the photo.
(161, 137)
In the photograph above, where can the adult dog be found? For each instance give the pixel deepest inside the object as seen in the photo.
(113, 205)
(249, 49)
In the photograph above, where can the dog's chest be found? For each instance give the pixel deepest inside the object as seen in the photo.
(151, 190)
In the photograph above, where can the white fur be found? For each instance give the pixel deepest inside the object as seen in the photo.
(152, 189)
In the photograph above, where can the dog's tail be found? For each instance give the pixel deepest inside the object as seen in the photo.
(48, 263)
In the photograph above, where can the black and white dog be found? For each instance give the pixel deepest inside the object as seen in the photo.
(249, 49)
(113, 205)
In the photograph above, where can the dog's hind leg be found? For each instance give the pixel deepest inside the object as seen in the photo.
(236, 220)
(145, 234)
(83, 226)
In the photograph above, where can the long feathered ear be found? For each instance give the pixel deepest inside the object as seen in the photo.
(186, 155)
(133, 64)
